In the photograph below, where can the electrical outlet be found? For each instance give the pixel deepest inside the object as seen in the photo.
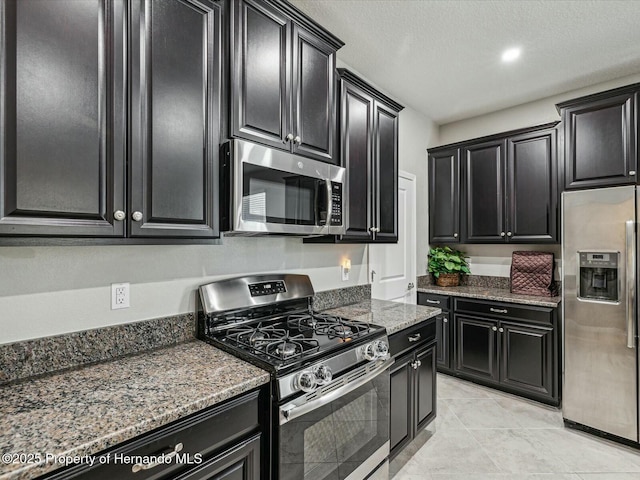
(345, 273)
(119, 295)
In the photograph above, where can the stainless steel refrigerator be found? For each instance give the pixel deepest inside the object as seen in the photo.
(599, 252)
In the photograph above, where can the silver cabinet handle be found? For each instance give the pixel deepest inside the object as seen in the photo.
(419, 363)
(434, 302)
(297, 140)
(415, 338)
(498, 310)
(631, 281)
(494, 329)
(501, 329)
(119, 215)
(289, 137)
(445, 320)
(502, 234)
(137, 216)
(509, 234)
(372, 229)
(162, 460)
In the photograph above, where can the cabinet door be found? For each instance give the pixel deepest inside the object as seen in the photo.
(532, 188)
(484, 192)
(527, 357)
(356, 120)
(476, 348)
(62, 110)
(444, 196)
(443, 337)
(401, 418)
(239, 463)
(260, 74)
(385, 155)
(174, 120)
(313, 65)
(425, 386)
(600, 143)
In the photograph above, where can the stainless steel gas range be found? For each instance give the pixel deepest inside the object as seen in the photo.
(330, 375)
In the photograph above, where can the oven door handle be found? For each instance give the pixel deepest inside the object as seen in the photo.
(291, 411)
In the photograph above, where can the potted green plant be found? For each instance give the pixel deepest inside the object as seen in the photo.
(446, 265)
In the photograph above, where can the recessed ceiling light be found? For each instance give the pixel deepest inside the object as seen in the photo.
(510, 54)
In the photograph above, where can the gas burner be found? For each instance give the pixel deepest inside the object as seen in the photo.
(286, 349)
(340, 331)
(302, 321)
(254, 337)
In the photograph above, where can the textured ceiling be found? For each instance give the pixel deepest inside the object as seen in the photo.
(443, 57)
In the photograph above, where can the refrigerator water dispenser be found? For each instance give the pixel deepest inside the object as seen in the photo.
(599, 276)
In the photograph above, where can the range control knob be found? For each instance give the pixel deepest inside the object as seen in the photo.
(306, 381)
(323, 375)
(381, 347)
(369, 352)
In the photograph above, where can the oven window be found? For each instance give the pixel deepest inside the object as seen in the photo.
(275, 196)
(333, 440)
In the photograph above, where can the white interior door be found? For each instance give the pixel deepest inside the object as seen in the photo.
(392, 267)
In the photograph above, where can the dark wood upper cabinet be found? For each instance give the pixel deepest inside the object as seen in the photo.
(444, 196)
(501, 188)
(484, 197)
(62, 138)
(174, 136)
(282, 79)
(531, 187)
(600, 139)
(368, 140)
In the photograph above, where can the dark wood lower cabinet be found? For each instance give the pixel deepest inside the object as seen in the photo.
(239, 463)
(476, 348)
(413, 395)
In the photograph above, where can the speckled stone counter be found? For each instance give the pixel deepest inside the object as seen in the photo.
(496, 294)
(392, 315)
(84, 411)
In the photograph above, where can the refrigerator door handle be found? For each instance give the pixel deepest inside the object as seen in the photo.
(631, 282)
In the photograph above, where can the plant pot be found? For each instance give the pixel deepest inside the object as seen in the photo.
(448, 280)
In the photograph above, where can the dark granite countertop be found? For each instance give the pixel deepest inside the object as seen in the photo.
(89, 409)
(489, 293)
(392, 315)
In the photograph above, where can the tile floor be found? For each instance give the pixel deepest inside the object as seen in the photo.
(483, 434)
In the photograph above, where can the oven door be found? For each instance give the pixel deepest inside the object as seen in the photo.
(278, 192)
(342, 434)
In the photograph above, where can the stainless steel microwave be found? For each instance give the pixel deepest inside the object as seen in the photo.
(268, 191)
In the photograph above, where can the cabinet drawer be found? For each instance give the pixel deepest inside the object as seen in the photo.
(505, 310)
(420, 334)
(205, 433)
(433, 300)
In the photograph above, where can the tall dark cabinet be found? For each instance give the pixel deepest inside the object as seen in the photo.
(175, 104)
(62, 119)
(444, 196)
(368, 137)
(110, 118)
(601, 134)
(504, 190)
(282, 79)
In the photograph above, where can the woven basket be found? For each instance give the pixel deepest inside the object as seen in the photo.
(448, 280)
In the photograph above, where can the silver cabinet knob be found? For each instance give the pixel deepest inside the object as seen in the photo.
(372, 229)
(632, 173)
(377, 230)
(297, 140)
(136, 216)
(445, 320)
(455, 235)
(501, 330)
(502, 234)
(419, 363)
(119, 215)
(494, 329)
(289, 137)
(509, 234)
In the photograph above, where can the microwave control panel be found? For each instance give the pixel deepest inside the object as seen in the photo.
(336, 198)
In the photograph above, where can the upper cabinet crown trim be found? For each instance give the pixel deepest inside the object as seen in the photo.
(598, 96)
(306, 22)
(370, 89)
(494, 136)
